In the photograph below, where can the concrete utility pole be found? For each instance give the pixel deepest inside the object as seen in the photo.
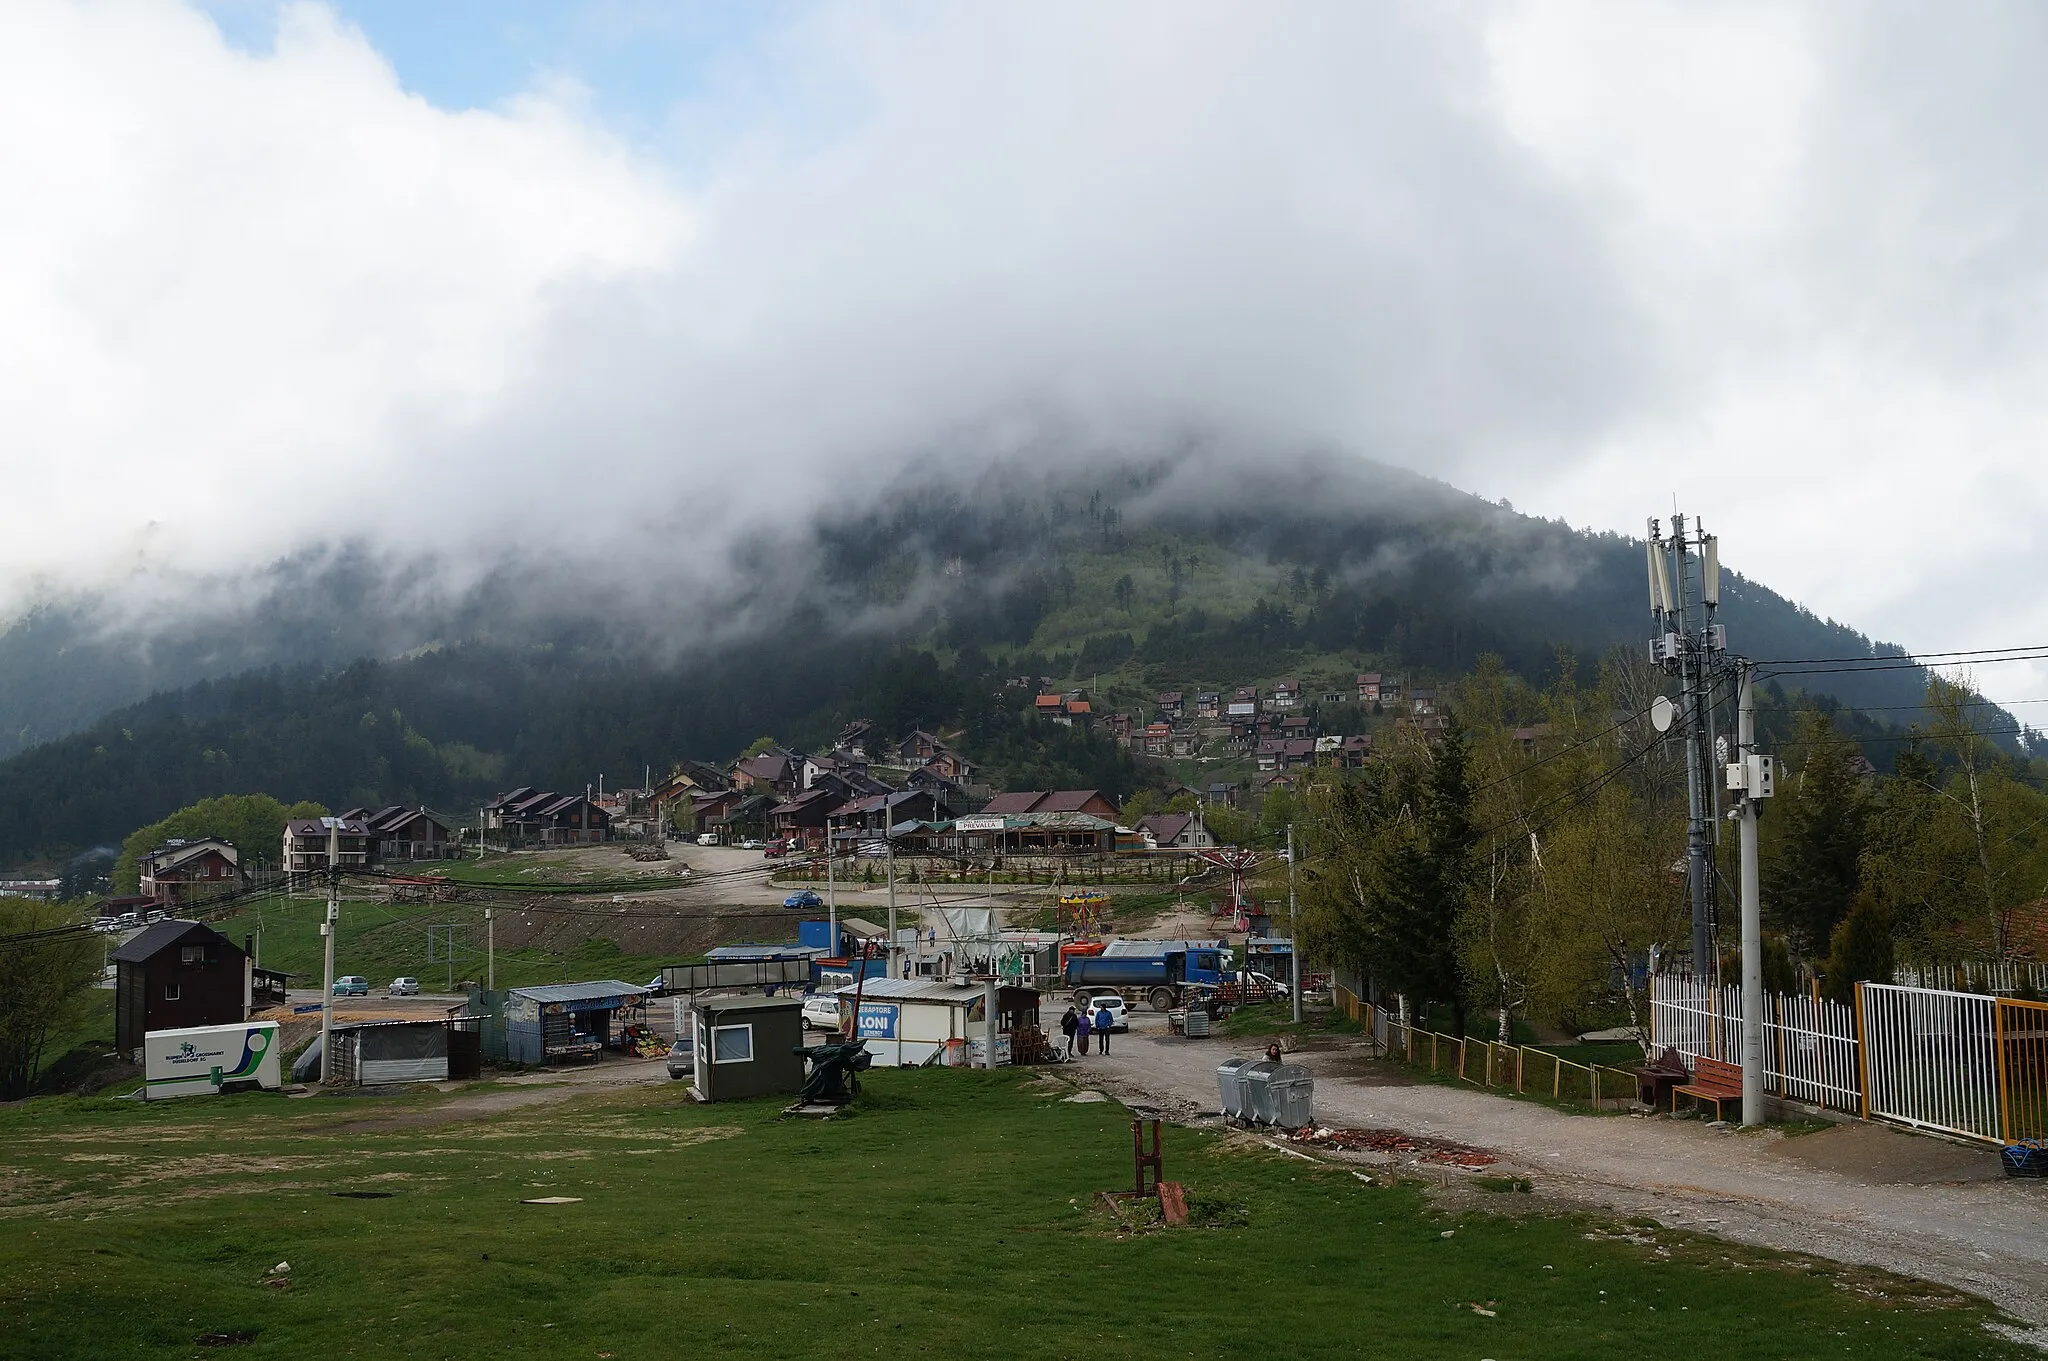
(989, 1007)
(490, 952)
(327, 929)
(1757, 781)
(831, 889)
(890, 842)
(1293, 933)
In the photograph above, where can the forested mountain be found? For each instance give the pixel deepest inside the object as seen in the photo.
(1182, 573)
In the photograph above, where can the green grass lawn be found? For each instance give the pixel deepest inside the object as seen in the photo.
(952, 1215)
(382, 941)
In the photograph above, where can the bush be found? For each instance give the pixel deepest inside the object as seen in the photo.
(1860, 951)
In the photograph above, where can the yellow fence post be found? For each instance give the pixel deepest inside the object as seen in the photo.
(1862, 1056)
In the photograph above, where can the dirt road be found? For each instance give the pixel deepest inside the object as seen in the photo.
(1860, 1193)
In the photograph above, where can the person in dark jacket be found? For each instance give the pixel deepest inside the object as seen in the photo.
(1069, 1023)
(1104, 1022)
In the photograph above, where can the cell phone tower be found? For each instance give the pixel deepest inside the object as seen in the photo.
(1691, 645)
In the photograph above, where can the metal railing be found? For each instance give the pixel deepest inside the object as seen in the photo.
(1810, 1046)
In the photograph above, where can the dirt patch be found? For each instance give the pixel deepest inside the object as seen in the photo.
(1370, 1072)
(1878, 1156)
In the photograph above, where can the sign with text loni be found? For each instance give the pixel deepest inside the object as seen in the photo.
(877, 1021)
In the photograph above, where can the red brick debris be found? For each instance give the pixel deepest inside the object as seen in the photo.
(1421, 1147)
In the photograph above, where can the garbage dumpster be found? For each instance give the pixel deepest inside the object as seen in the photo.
(1293, 1091)
(1230, 1079)
(1258, 1091)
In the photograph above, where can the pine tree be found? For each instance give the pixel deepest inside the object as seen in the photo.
(1861, 950)
(1815, 870)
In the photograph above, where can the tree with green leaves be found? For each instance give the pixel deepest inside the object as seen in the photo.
(43, 987)
(1860, 950)
(1815, 866)
(252, 823)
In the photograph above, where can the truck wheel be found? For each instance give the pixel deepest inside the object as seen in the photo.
(1161, 999)
(1082, 997)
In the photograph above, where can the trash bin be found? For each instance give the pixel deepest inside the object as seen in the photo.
(1258, 1091)
(1230, 1079)
(1195, 1024)
(1293, 1095)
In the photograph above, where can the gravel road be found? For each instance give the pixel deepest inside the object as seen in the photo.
(1860, 1193)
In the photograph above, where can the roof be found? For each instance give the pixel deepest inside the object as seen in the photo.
(722, 954)
(1066, 800)
(1145, 949)
(785, 1002)
(1050, 702)
(316, 828)
(765, 767)
(918, 990)
(1166, 827)
(579, 992)
(1169, 697)
(149, 941)
(861, 926)
(1022, 802)
(170, 857)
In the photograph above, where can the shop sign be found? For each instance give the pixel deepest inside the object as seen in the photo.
(877, 1021)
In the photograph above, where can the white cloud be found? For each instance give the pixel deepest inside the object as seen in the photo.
(1782, 260)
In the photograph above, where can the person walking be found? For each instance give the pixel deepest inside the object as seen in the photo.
(1081, 1028)
(1068, 1024)
(1103, 1022)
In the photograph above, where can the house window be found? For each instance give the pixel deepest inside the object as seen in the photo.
(191, 954)
(170, 992)
(732, 1044)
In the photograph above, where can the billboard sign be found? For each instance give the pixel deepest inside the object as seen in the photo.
(203, 1060)
(877, 1021)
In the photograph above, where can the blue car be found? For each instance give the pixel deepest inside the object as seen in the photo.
(806, 898)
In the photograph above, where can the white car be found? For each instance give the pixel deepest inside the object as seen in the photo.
(821, 1011)
(1119, 1014)
(707, 838)
(403, 987)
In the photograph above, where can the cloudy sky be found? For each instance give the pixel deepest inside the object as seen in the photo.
(603, 276)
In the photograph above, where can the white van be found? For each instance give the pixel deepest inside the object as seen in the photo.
(707, 838)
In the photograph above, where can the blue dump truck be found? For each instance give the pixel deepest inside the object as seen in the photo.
(1160, 978)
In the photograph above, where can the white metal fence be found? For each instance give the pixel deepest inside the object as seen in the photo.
(2006, 978)
(1932, 1058)
(1809, 1044)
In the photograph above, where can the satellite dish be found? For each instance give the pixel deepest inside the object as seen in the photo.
(1662, 712)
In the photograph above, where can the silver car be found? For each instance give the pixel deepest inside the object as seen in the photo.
(403, 987)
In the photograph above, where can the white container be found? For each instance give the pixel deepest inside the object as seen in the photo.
(200, 1060)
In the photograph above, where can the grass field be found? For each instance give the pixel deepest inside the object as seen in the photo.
(952, 1214)
(382, 941)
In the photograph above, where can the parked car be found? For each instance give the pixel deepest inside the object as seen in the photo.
(750, 844)
(155, 915)
(351, 985)
(1118, 1012)
(403, 987)
(1269, 984)
(682, 1058)
(821, 1011)
(127, 921)
(657, 988)
(105, 925)
(803, 898)
(707, 838)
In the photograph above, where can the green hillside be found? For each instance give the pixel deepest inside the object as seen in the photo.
(924, 614)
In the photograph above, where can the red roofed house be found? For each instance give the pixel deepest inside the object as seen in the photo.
(1089, 801)
(1176, 831)
(187, 871)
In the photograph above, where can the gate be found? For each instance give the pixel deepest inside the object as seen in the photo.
(1932, 1059)
(2022, 1069)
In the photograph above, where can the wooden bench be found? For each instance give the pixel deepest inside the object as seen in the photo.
(1712, 1080)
